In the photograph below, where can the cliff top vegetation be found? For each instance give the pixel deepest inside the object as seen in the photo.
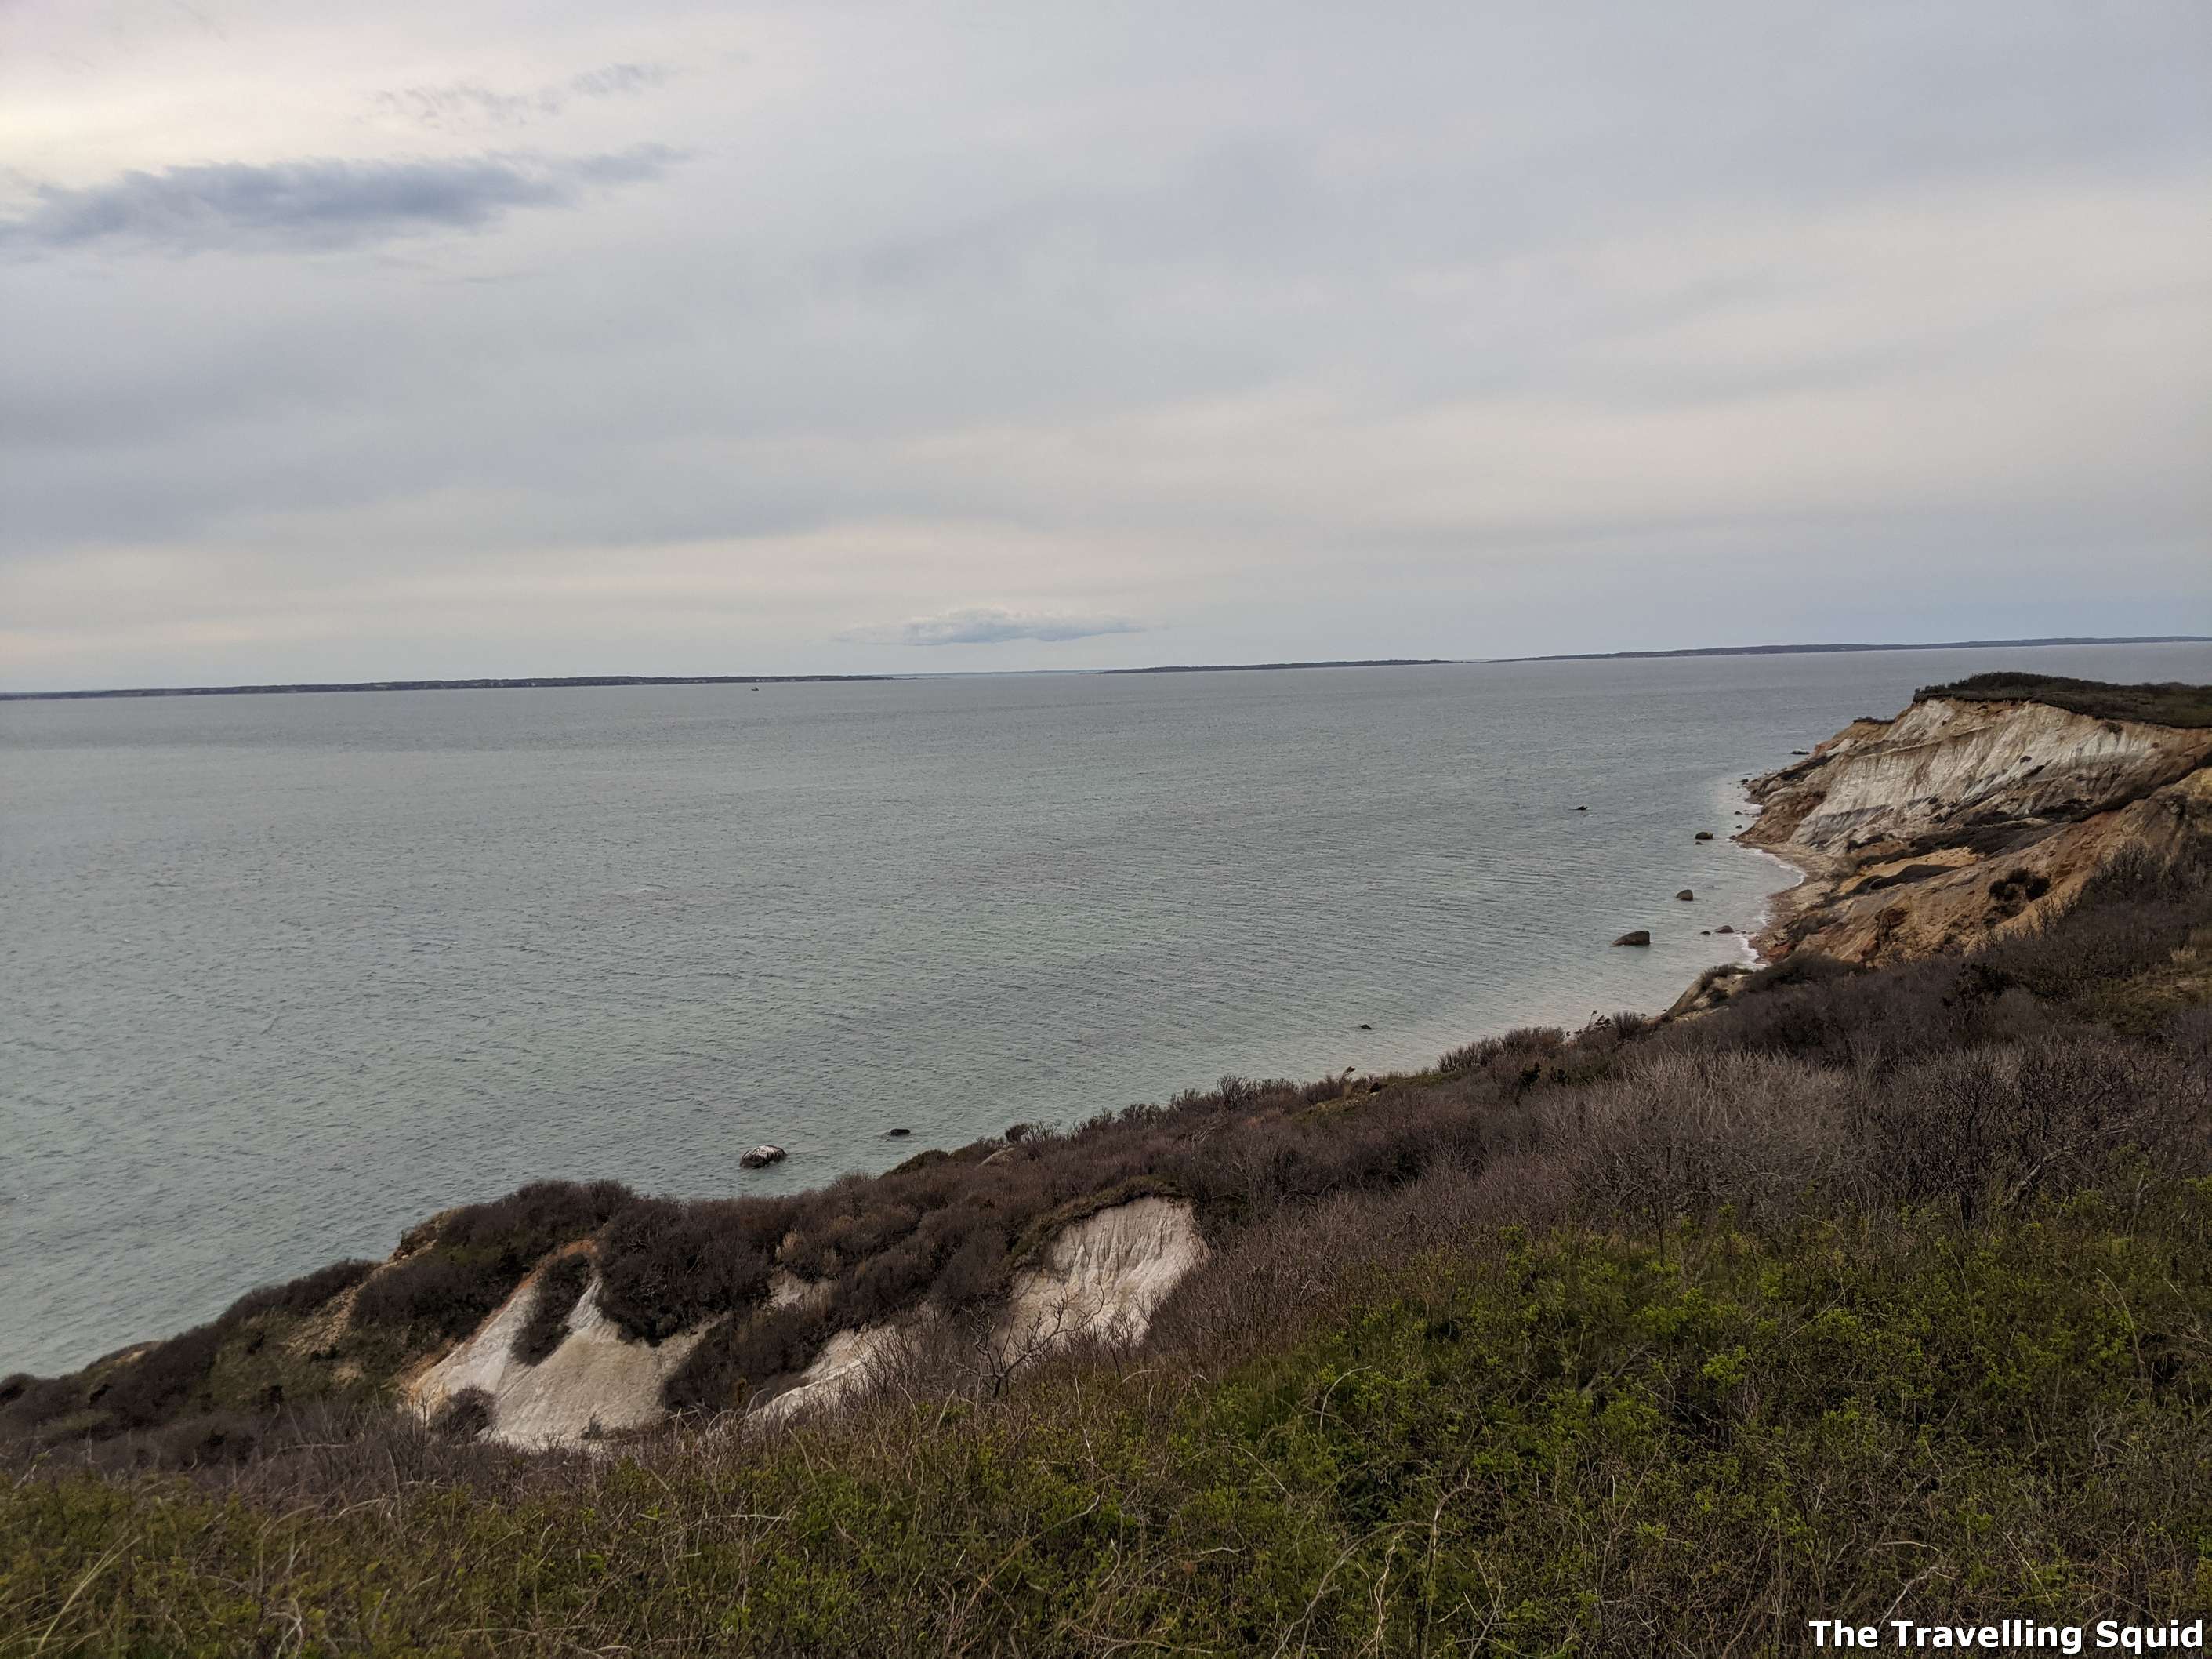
(2169, 702)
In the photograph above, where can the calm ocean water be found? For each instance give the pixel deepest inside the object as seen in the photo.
(280, 976)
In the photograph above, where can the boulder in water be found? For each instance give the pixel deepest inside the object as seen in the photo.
(1685, 896)
(762, 1155)
(1705, 834)
(1640, 936)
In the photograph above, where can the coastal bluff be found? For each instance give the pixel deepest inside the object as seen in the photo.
(1979, 811)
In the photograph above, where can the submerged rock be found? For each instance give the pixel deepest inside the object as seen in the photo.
(899, 1134)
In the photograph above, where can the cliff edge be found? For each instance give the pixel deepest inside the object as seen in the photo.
(1980, 809)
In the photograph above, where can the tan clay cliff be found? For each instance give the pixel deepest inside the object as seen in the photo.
(1963, 818)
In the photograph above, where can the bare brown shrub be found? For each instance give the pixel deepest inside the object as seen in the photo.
(666, 1267)
(560, 1286)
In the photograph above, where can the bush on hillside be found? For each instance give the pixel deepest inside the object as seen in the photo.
(463, 1265)
(560, 1286)
(666, 1267)
(307, 1294)
(743, 1354)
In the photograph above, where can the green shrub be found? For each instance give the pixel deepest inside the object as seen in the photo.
(2166, 704)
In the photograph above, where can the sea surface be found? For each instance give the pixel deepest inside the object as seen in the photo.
(280, 976)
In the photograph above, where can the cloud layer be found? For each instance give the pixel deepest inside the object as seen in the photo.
(311, 204)
(1444, 331)
(989, 625)
(466, 104)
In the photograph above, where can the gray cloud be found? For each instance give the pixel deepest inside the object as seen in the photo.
(320, 204)
(464, 104)
(1431, 331)
(989, 625)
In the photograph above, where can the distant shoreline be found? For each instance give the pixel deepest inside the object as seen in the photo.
(1815, 650)
(581, 681)
(563, 682)
(1263, 667)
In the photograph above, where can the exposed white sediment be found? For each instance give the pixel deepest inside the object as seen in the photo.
(1102, 1279)
(597, 1381)
(1944, 764)
(847, 1362)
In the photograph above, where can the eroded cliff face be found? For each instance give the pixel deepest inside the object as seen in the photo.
(596, 1382)
(1103, 1278)
(1100, 1279)
(1959, 819)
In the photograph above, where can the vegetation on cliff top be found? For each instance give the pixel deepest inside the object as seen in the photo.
(2165, 704)
(1686, 1441)
(1872, 1289)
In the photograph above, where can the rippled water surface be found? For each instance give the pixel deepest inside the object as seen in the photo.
(283, 975)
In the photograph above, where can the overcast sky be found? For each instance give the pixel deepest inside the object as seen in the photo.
(490, 337)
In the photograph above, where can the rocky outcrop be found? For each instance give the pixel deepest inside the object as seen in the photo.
(1961, 818)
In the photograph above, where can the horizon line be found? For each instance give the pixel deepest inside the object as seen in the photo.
(580, 682)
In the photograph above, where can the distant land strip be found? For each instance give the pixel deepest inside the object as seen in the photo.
(1262, 667)
(1811, 650)
(1696, 651)
(553, 684)
(575, 680)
